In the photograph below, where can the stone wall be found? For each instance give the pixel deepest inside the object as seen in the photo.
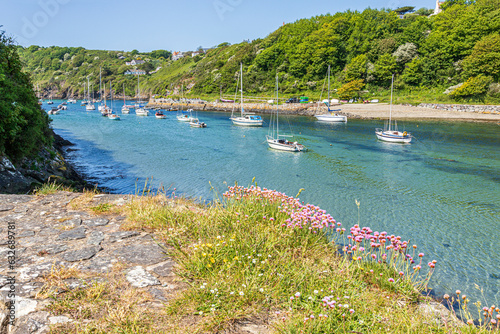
(304, 109)
(485, 109)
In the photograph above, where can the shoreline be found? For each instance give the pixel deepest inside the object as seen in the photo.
(358, 111)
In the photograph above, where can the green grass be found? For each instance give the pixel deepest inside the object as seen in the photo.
(51, 188)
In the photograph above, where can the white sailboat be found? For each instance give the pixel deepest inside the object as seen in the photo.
(90, 105)
(111, 115)
(194, 122)
(184, 116)
(125, 108)
(332, 115)
(392, 135)
(274, 139)
(105, 110)
(102, 105)
(245, 119)
(140, 110)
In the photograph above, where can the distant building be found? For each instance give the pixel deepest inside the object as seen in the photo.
(121, 57)
(134, 62)
(194, 54)
(135, 72)
(438, 9)
(177, 55)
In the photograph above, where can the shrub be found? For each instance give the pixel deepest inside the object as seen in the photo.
(474, 87)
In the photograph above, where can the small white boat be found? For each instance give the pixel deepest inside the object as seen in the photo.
(125, 108)
(53, 111)
(90, 107)
(113, 117)
(332, 115)
(141, 112)
(62, 107)
(71, 101)
(195, 123)
(392, 135)
(245, 119)
(274, 139)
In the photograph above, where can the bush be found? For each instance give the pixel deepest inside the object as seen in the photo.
(474, 87)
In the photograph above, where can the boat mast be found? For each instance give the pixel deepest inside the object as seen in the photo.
(241, 71)
(390, 107)
(111, 93)
(124, 93)
(328, 87)
(100, 85)
(277, 104)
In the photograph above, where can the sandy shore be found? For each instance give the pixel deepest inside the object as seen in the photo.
(381, 110)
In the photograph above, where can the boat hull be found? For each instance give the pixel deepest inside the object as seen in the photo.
(283, 145)
(241, 121)
(141, 112)
(90, 107)
(393, 136)
(125, 110)
(161, 116)
(333, 118)
(184, 118)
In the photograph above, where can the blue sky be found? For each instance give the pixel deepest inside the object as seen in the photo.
(148, 25)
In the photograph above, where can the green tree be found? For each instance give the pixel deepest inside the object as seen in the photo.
(485, 58)
(384, 68)
(412, 74)
(24, 127)
(350, 89)
(357, 68)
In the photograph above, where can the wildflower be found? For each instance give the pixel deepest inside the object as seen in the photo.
(316, 292)
(202, 287)
(351, 311)
(401, 273)
(241, 293)
(231, 293)
(420, 254)
(291, 298)
(446, 296)
(458, 292)
(391, 280)
(470, 322)
(297, 294)
(212, 291)
(212, 260)
(261, 290)
(200, 313)
(212, 309)
(310, 298)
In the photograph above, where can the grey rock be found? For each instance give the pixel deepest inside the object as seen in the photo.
(76, 233)
(72, 222)
(141, 254)
(59, 320)
(31, 272)
(163, 269)
(48, 231)
(34, 323)
(115, 236)
(81, 254)
(51, 249)
(95, 238)
(138, 277)
(25, 306)
(100, 264)
(24, 234)
(96, 222)
(6, 207)
(157, 294)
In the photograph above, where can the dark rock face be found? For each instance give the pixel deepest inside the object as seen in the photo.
(81, 254)
(76, 233)
(145, 254)
(47, 165)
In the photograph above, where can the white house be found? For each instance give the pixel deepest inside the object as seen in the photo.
(177, 55)
(135, 72)
(134, 62)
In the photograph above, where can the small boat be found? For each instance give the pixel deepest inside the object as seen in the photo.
(64, 104)
(89, 105)
(195, 123)
(160, 115)
(141, 112)
(53, 111)
(184, 116)
(274, 139)
(332, 115)
(392, 135)
(113, 117)
(71, 101)
(245, 119)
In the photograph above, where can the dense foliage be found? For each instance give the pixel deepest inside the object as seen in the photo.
(425, 52)
(24, 127)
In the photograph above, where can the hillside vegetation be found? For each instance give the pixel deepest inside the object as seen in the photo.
(24, 127)
(458, 48)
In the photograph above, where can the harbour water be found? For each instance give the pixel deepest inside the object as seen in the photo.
(442, 191)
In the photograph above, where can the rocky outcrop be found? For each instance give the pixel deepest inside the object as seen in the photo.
(487, 109)
(47, 165)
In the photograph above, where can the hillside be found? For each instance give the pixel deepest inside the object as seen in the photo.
(428, 54)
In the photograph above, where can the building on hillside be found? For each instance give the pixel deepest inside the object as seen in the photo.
(438, 9)
(135, 72)
(177, 55)
(194, 54)
(135, 62)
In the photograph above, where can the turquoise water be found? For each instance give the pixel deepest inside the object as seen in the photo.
(442, 191)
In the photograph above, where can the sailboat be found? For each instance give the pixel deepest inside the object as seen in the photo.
(277, 141)
(125, 108)
(105, 110)
(90, 105)
(50, 99)
(140, 110)
(245, 119)
(111, 115)
(102, 105)
(184, 116)
(392, 135)
(332, 116)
